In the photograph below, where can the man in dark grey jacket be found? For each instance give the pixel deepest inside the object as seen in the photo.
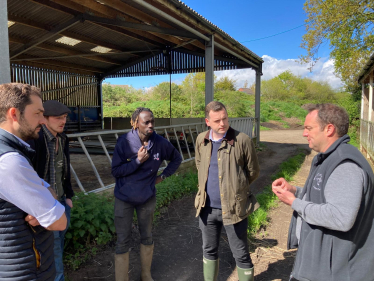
(332, 222)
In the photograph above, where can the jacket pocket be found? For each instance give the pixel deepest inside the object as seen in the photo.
(245, 205)
(197, 199)
(239, 205)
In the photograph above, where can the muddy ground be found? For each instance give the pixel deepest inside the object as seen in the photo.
(178, 252)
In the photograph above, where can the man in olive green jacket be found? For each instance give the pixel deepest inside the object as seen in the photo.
(227, 164)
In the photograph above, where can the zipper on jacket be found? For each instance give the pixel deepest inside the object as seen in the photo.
(36, 252)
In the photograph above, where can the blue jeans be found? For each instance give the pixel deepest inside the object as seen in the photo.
(59, 245)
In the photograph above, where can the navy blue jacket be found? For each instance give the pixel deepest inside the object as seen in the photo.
(26, 252)
(135, 181)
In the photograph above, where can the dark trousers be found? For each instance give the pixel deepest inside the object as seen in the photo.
(123, 214)
(210, 223)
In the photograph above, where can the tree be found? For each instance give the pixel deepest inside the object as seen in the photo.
(348, 26)
(224, 84)
(162, 91)
(193, 88)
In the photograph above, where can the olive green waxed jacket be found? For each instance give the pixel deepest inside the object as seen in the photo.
(237, 168)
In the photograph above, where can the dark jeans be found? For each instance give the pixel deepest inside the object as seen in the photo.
(123, 214)
(210, 223)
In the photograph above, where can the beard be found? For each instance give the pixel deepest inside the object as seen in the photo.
(26, 132)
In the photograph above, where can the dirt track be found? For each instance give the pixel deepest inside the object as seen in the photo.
(178, 253)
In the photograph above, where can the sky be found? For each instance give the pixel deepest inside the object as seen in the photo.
(253, 23)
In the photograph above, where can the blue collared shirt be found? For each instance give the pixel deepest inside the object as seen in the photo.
(21, 186)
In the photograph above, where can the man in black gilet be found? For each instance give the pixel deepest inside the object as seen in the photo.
(28, 211)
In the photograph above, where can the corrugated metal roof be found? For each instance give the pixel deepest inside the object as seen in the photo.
(214, 27)
(35, 20)
(32, 10)
(367, 69)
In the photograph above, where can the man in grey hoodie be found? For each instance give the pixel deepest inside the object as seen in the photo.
(332, 222)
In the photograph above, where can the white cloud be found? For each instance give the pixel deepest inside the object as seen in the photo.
(272, 67)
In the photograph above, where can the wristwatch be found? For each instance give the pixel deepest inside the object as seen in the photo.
(163, 176)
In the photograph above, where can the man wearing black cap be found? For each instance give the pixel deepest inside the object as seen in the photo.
(52, 163)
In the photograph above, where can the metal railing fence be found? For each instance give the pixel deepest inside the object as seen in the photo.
(367, 137)
(186, 141)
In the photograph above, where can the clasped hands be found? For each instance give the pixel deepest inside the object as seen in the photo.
(284, 191)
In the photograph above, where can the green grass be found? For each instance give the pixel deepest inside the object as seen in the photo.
(262, 128)
(277, 110)
(267, 199)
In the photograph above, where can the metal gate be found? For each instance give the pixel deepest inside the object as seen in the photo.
(182, 136)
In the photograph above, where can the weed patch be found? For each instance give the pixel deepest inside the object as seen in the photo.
(92, 218)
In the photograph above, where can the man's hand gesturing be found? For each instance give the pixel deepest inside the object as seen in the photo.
(284, 191)
(143, 154)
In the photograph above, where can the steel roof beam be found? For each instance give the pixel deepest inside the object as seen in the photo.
(192, 30)
(171, 19)
(86, 55)
(53, 32)
(73, 35)
(143, 27)
(60, 64)
(255, 66)
(118, 69)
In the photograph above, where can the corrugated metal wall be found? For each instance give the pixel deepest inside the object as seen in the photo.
(181, 62)
(69, 88)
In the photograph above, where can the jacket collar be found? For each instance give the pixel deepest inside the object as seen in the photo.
(135, 137)
(49, 136)
(16, 143)
(322, 156)
(229, 138)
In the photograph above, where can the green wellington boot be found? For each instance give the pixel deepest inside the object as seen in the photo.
(210, 269)
(146, 254)
(122, 267)
(245, 274)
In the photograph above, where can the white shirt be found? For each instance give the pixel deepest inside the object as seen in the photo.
(21, 186)
(211, 137)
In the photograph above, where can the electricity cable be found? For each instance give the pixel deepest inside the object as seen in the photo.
(276, 33)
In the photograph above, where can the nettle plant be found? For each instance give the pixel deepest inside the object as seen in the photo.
(92, 221)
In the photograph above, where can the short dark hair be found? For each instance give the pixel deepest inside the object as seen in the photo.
(213, 106)
(135, 116)
(329, 113)
(16, 95)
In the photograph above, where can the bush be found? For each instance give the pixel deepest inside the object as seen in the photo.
(174, 188)
(92, 221)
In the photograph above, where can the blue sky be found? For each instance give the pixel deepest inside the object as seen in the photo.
(250, 20)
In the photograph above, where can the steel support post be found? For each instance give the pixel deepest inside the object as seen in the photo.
(257, 105)
(4, 44)
(100, 99)
(209, 70)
